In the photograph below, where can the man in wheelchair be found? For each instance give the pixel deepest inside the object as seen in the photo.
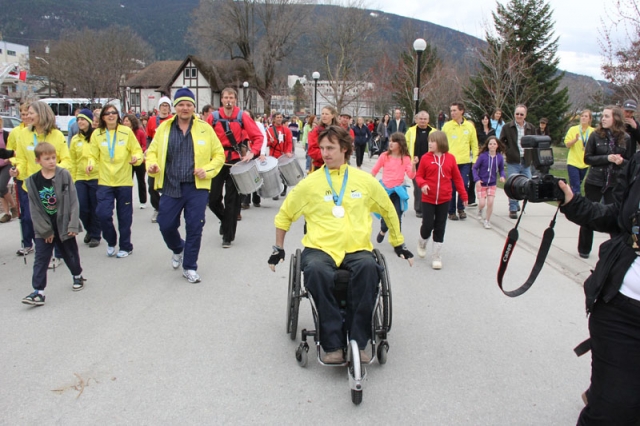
(336, 202)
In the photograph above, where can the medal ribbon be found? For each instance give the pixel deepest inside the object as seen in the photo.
(584, 137)
(337, 200)
(111, 146)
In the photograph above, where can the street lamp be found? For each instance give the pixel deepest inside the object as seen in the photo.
(419, 46)
(48, 78)
(315, 76)
(244, 93)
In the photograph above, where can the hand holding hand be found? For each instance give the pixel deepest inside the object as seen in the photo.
(276, 257)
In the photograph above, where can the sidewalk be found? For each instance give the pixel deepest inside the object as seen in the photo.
(563, 254)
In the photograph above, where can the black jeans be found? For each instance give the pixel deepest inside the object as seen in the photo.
(319, 278)
(417, 197)
(360, 154)
(434, 218)
(471, 187)
(592, 193)
(614, 394)
(69, 251)
(228, 211)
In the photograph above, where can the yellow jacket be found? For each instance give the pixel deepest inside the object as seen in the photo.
(12, 140)
(207, 149)
(116, 172)
(313, 199)
(25, 160)
(79, 150)
(410, 136)
(463, 140)
(576, 152)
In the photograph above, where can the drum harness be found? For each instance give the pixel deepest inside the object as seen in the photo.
(235, 146)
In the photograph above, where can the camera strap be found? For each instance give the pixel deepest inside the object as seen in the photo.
(510, 245)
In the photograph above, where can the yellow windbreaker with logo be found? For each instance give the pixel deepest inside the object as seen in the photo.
(25, 160)
(313, 199)
(463, 140)
(116, 172)
(207, 150)
(79, 150)
(576, 152)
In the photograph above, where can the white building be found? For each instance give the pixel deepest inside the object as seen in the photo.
(13, 59)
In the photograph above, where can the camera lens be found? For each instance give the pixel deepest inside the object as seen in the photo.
(516, 187)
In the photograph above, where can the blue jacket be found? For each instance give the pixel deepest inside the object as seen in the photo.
(362, 134)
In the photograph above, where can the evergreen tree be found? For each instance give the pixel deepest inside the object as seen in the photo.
(520, 66)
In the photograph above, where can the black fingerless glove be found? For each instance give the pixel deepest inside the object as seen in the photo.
(402, 252)
(277, 256)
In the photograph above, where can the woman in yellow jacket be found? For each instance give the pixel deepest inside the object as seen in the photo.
(114, 149)
(41, 128)
(576, 140)
(86, 184)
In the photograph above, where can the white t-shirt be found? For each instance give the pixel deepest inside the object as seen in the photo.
(631, 283)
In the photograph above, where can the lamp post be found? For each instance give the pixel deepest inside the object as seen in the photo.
(245, 85)
(315, 76)
(48, 77)
(419, 46)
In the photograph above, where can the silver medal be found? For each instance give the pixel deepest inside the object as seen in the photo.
(338, 211)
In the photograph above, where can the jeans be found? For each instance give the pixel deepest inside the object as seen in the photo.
(194, 204)
(464, 171)
(26, 225)
(69, 252)
(87, 191)
(124, 209)
(319, 278)
(434, 219)
(395, 199)
(513, 169)
(576, 176)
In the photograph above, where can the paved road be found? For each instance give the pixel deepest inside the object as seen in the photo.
(142, 346)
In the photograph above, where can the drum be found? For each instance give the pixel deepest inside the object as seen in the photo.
(268, 170)
(290, 170)
(246, 178)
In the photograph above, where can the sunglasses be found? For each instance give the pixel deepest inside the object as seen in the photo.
(111, 113)
(519, 113)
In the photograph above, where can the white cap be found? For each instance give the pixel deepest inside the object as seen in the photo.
(164, 100)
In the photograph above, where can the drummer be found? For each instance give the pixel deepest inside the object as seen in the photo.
(239, 123)
(280, 142)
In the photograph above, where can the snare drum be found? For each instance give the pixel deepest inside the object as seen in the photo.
(246, 177)
(268, 170)
(290, 170)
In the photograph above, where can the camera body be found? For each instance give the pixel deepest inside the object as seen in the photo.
(544, 187)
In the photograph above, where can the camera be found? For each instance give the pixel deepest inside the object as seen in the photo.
(544, 187)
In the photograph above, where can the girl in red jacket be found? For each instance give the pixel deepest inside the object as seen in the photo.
(437, 172)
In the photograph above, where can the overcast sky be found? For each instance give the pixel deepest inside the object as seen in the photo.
(577, 25)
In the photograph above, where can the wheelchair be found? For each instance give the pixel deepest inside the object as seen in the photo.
(380, 321)
(375, 145)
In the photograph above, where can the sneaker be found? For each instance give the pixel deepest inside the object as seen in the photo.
(256, 204)
(123, 253)
(335, 357)
(283, 193)
(143, 206)
(78, 283)
(380, 237)
(34, 299)
(94, 243)
(462, 215)
(24, 251)
(154, 217)
(111, 251)
(191, 275)
(472, 205)
(487, 225)
(176, 260)
(584, 255)
(226, 244)
(55, 262)
(14, 212)
(244, 206)
(513, 215)
(5, 218)
(453, 216)
(365, 358)
(87, 239)
(422, 247)
(419, 215)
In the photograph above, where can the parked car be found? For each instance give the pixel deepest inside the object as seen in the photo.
(8, 123)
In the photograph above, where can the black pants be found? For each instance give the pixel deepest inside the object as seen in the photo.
(395, 199)
(360, 154)
(417, 197)
(154, 196)
(471, 188)
(69, 251)
(319, 278)
(139, 172)
(227, 207)
(592, 193)
(614, 394)
(434, 219)
(251, 198)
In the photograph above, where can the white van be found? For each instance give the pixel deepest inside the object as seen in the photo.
(63, 108)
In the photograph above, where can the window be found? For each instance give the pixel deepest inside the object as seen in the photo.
(54, 108)
(135, 99)
(64, 110)
(11, 52)
(191, 72)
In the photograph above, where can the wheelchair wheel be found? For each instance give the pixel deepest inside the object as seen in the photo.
(293, 295)
(383, 349)
(355, 372)
(356, 396)
(302, 354)
(385, 297)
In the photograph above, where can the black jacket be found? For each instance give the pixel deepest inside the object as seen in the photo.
(616, 255)
(392, 127)
(362, 134)
(509, 138)
(603, 173)
(634, 134)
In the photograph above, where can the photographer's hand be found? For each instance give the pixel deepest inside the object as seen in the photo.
(568, 194)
